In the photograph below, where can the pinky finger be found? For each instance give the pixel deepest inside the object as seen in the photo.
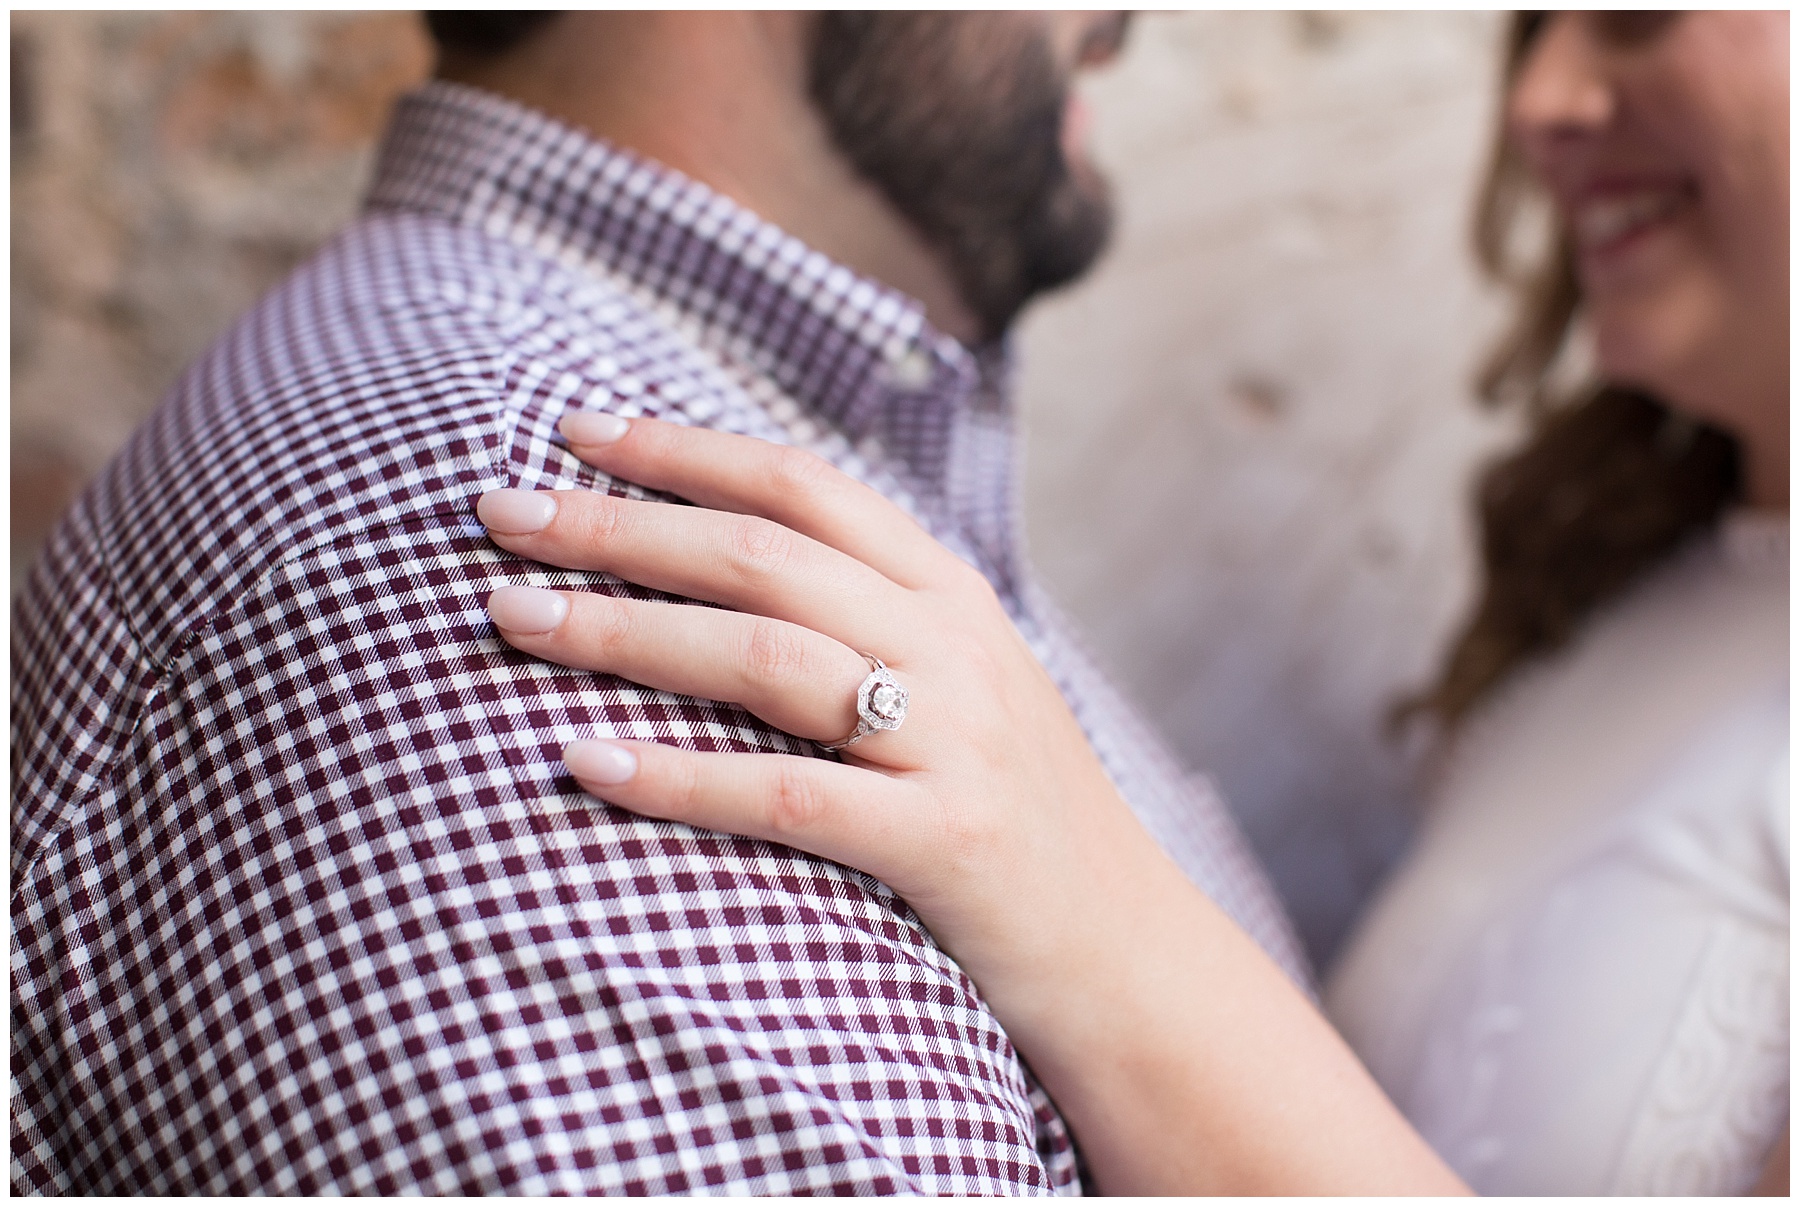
(847, 814)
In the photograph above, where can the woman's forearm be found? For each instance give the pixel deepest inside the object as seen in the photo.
(1183, 1057)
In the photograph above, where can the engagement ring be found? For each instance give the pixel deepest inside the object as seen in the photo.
(880, 704)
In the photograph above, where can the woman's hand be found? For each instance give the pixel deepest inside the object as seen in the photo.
(983, 802)
(1185, 1061)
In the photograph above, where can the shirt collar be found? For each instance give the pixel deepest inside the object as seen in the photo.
(852, 350)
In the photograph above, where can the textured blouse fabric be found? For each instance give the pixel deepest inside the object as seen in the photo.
(1577, 983)
(303, 899)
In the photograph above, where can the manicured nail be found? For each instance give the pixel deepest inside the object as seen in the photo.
(600, 762)
(592, 427)
(516, 512)
(527, 609)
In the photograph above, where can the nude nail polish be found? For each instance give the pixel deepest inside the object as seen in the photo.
(527, 609)
(592, 427)
(600, 762)
(516, 512)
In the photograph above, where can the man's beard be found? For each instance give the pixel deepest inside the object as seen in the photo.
(957, 118)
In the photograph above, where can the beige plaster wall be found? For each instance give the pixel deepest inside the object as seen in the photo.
(1250, 432)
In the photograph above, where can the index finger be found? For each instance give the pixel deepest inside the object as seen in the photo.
(791, 486)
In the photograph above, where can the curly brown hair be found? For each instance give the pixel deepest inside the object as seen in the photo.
(1607, 483)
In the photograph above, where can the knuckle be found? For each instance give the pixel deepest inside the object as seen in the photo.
(795, 804)
(796, 471)
(600, 522)
(971, 654)
(773, 652)
(962, 834)
(759, 548)
(972, 585)
(609, 627)
(682, 784)
(987, 685)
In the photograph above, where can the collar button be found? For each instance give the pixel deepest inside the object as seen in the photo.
(911, 370)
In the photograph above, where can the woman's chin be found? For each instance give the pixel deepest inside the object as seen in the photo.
(1655, 341)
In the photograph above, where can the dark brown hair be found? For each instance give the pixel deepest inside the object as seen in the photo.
(483, 34)
(1607, 483)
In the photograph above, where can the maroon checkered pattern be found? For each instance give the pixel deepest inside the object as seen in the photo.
(303, 900)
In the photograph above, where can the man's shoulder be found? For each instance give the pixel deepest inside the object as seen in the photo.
(343, 819)
(410, 365)
(338, 433)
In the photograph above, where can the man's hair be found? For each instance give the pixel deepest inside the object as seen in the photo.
(484, 34)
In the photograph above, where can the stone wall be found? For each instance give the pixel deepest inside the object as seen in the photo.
(167, 168)
(1250, 431)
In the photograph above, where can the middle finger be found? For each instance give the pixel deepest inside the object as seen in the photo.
(743, 562)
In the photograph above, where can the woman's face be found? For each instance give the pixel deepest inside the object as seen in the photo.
(1663, 138)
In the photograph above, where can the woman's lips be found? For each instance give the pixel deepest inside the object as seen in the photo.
(1605, 221)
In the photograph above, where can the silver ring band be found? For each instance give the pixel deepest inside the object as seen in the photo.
(880, 704)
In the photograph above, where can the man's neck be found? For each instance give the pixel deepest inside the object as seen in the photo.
(722, 98)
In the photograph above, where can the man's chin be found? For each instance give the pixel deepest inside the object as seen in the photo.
(1057, 246)
(1076, 232)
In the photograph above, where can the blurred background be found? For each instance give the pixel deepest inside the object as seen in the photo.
(1249, 433)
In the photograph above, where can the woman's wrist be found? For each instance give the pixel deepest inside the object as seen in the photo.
(1183, 1058)
(1018, 921)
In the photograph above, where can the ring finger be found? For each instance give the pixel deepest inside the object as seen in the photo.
(795, 679)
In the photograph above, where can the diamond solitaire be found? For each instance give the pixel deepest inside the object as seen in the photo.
(886, 704)
(880, 704)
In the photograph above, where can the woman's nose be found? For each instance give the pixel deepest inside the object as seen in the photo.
(1562, 87)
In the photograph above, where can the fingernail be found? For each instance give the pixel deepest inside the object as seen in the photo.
(592, 427)
(600, 762)
(516, 512)
(527, 609)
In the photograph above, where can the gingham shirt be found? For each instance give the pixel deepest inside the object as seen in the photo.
(303, 898)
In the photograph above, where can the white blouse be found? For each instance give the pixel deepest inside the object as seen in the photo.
(1577, 982)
